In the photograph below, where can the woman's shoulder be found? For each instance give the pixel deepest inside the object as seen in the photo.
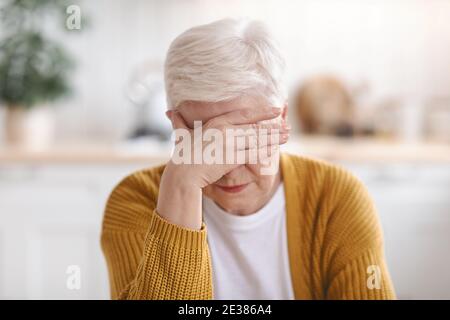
(316, 171)
(133, 199)
(331, 192)
(142, 181)
(324, 184)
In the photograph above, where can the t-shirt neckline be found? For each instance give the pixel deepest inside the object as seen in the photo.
(235, 222)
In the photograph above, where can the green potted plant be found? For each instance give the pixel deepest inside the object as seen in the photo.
(34, 70)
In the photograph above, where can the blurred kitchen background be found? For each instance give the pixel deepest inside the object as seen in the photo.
(82, 105)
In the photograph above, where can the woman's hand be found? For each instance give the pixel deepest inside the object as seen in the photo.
(180, 194)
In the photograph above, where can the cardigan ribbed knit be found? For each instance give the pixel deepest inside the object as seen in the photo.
(335, 241)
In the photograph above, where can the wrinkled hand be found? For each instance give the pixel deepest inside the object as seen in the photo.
(258, 139)
(260, 129)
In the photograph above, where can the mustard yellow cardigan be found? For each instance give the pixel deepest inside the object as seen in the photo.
(335, 242)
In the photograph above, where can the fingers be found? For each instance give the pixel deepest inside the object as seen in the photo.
(248, 142)
(259, 128)
(256, 155)
(246, 116)
(255, 148)
(260, 134)
(256, 141)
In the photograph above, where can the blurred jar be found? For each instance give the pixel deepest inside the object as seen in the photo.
(437, 120)
(324, 106)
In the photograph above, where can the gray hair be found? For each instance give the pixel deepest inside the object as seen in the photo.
(223, 60)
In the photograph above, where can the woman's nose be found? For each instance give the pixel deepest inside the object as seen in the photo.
(235, 173)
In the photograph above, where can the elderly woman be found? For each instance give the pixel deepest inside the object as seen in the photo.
(228, 230)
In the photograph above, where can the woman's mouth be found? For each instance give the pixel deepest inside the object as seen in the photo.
(233, 189)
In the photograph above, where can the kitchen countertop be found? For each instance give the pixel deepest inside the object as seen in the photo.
(332, 149)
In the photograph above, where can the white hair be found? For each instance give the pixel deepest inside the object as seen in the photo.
(224, 60)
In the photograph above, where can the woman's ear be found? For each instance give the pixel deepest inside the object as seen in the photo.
(284, 112)
(169, 116)
(176, 119)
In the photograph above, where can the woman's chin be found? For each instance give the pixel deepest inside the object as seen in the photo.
(235, 206)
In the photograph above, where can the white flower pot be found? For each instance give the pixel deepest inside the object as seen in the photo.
(29, 128)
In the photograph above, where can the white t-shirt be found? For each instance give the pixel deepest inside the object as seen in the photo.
(249, 253)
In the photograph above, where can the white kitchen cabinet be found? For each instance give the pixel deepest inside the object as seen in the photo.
(50, 219)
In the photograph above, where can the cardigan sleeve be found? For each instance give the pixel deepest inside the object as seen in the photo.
(363, 278)
(357, 267)
(147, 256)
